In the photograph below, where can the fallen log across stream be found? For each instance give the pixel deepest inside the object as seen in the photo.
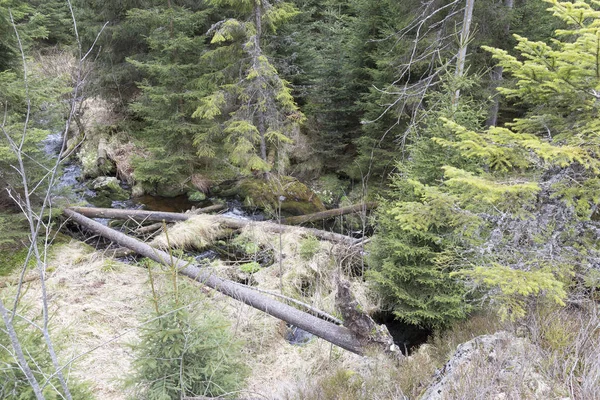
(336, 212)
(227, 222)
(335, 334)
(143, 215)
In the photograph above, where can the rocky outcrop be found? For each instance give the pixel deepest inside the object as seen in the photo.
(498, 366)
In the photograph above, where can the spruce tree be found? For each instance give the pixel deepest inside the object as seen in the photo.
(168, 93)
(420, 226)
(531, 187)
(251, 108)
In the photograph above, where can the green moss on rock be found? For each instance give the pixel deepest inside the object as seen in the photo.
(107, 190)
(196, 196)
(296, 197)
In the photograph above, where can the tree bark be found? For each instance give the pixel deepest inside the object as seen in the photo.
(142, 215)
(227, 222)
(497, 72)
(301, 219)
(464, 43)
(338, 335)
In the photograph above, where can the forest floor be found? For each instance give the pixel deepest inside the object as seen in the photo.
(96, 303)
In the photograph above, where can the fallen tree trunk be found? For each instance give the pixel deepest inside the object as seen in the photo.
(301, 219)
(226, 222)
(142, 215)
(277, 228)
(149, 228)
(338, 335)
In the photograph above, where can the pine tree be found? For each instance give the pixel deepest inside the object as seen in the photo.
(250, 106)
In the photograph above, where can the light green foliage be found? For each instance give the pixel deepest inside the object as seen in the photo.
(560, 78)
(246, 245)
(422, 227)
(520, 165)
(261, 111)
(13, 382)
(510, 288)
(477, 192)
(250, 268)
(187, 349)
(309, 247)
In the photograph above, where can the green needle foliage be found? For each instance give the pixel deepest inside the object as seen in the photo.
(175, 42)
(250, 107)
(187, 350)
(13, 382)
(421, 225)
(514, 212)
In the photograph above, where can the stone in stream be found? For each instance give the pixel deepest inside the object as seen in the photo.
(108, 189)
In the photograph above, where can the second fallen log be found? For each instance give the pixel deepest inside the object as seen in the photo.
(301, 219)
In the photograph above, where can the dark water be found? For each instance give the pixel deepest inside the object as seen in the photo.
(407, 336)
(168, 204)
(297, 336)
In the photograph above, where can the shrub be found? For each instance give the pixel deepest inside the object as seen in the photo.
(185, 349)
(13, 382)
(309, 247)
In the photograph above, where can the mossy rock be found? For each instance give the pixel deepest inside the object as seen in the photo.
(170, 189)
(107, 190)
(196, 195)
(296, 197)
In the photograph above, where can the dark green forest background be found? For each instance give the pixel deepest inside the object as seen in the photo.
(487, 179)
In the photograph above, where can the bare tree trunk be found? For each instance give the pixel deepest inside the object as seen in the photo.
(492, 119)
(338, 335)
(497, 77)
(19, 355)
(142, 215)
(464, 43)
(227, 222)
(39, 219)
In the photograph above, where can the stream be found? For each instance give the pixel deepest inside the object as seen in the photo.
(72, 185)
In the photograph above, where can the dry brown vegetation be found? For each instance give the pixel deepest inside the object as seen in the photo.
(97, 301)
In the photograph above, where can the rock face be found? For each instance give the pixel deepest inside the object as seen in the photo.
(498, 366)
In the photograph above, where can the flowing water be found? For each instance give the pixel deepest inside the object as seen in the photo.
(72, 185)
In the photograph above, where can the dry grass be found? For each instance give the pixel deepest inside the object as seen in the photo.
(196, 233)
(92, 300)
(568, 340)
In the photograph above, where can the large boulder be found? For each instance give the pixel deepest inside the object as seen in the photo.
(498, 366)
(294, 196)
(107, 189)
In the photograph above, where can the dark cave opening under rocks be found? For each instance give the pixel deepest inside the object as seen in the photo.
(406, 336)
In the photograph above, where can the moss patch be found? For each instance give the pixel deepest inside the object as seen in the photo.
(11, 260)
(297, 198)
